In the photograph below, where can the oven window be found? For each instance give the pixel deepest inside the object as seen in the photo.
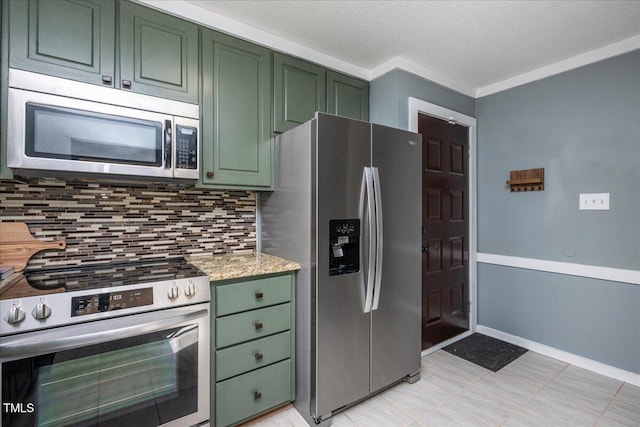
(141, 381)
(66, 133)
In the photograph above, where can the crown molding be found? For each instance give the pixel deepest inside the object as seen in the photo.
(398, 62)
(238, 29)
(611, 50)
(222, 23)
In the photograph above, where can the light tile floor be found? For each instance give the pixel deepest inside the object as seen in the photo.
(533, 391)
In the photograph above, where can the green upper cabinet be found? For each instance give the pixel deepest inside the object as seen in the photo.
(298, 91)
(301, 88)
(347, 96)
(237, 144)
(75, 39)
(72, 39)
(158, 54)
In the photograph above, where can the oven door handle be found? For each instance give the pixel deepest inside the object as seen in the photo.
(37, 344)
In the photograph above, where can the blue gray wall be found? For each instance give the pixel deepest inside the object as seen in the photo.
(389, 98)
(583, 127)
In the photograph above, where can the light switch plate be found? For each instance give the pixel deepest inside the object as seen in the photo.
(594, 201)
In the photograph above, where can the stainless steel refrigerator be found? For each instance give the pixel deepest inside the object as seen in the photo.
(347, 206)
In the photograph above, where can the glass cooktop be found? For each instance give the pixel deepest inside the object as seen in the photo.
(112, 275)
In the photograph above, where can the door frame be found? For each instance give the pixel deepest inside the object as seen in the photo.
(417, 106)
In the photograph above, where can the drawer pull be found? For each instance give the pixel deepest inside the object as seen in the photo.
(258, 325)
(258, 356)
(257, 395)
(259, 295)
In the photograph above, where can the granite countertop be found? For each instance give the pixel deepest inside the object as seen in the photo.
(234, 266)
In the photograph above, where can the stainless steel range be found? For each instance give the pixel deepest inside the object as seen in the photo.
(111, 345)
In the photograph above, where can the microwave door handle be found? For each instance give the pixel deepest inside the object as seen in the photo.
(17, 346)
(167, 144)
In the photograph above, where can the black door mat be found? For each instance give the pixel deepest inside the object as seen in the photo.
(485, 351)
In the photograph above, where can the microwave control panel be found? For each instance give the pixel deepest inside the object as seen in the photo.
(186, 147)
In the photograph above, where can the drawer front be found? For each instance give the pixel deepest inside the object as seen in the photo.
(252, 294)
(254, 324)
(251, 393)
(255, 354)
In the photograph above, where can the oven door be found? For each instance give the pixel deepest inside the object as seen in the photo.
(141, 370)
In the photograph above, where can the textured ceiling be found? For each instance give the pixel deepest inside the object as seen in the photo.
(475, 43)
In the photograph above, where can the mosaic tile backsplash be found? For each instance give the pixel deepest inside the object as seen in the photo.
(132, 221)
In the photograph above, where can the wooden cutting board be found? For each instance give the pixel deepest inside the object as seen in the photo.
(18, 287)
(17, 245)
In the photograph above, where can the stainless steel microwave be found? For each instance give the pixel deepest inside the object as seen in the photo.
(60, 127)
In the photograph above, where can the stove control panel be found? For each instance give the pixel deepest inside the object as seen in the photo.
(36, 312)
(109, 301)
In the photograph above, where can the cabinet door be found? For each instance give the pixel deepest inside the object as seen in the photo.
(158, 54)
(249, 394)
(237, 145)
(298, 91)
(347, 96)
(73, 39)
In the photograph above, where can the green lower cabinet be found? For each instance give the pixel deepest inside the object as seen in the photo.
(237, 143)
(255, 354)
(253, 324)
(253, 294)
(253, 349)
(347, 96)
(252, 393)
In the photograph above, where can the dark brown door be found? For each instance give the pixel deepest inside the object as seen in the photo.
(445, 236)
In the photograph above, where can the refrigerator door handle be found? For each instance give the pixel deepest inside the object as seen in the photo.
(368, 210)
(379, 235)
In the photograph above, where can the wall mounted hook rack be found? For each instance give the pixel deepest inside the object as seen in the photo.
(527, 180)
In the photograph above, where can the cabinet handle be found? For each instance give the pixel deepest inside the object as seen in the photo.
(258, 356)
(258, 325)
(257, 395)
(259, 295)
(107, 79)
(209, 174)
(126, 83)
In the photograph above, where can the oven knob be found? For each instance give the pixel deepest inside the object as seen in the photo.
(190, 290)
(15, 314)
(41, 311)
(174, 292)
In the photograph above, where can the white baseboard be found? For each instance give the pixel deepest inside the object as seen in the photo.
(573, 359)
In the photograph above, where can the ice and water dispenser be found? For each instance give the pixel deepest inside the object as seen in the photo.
(344, 251)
